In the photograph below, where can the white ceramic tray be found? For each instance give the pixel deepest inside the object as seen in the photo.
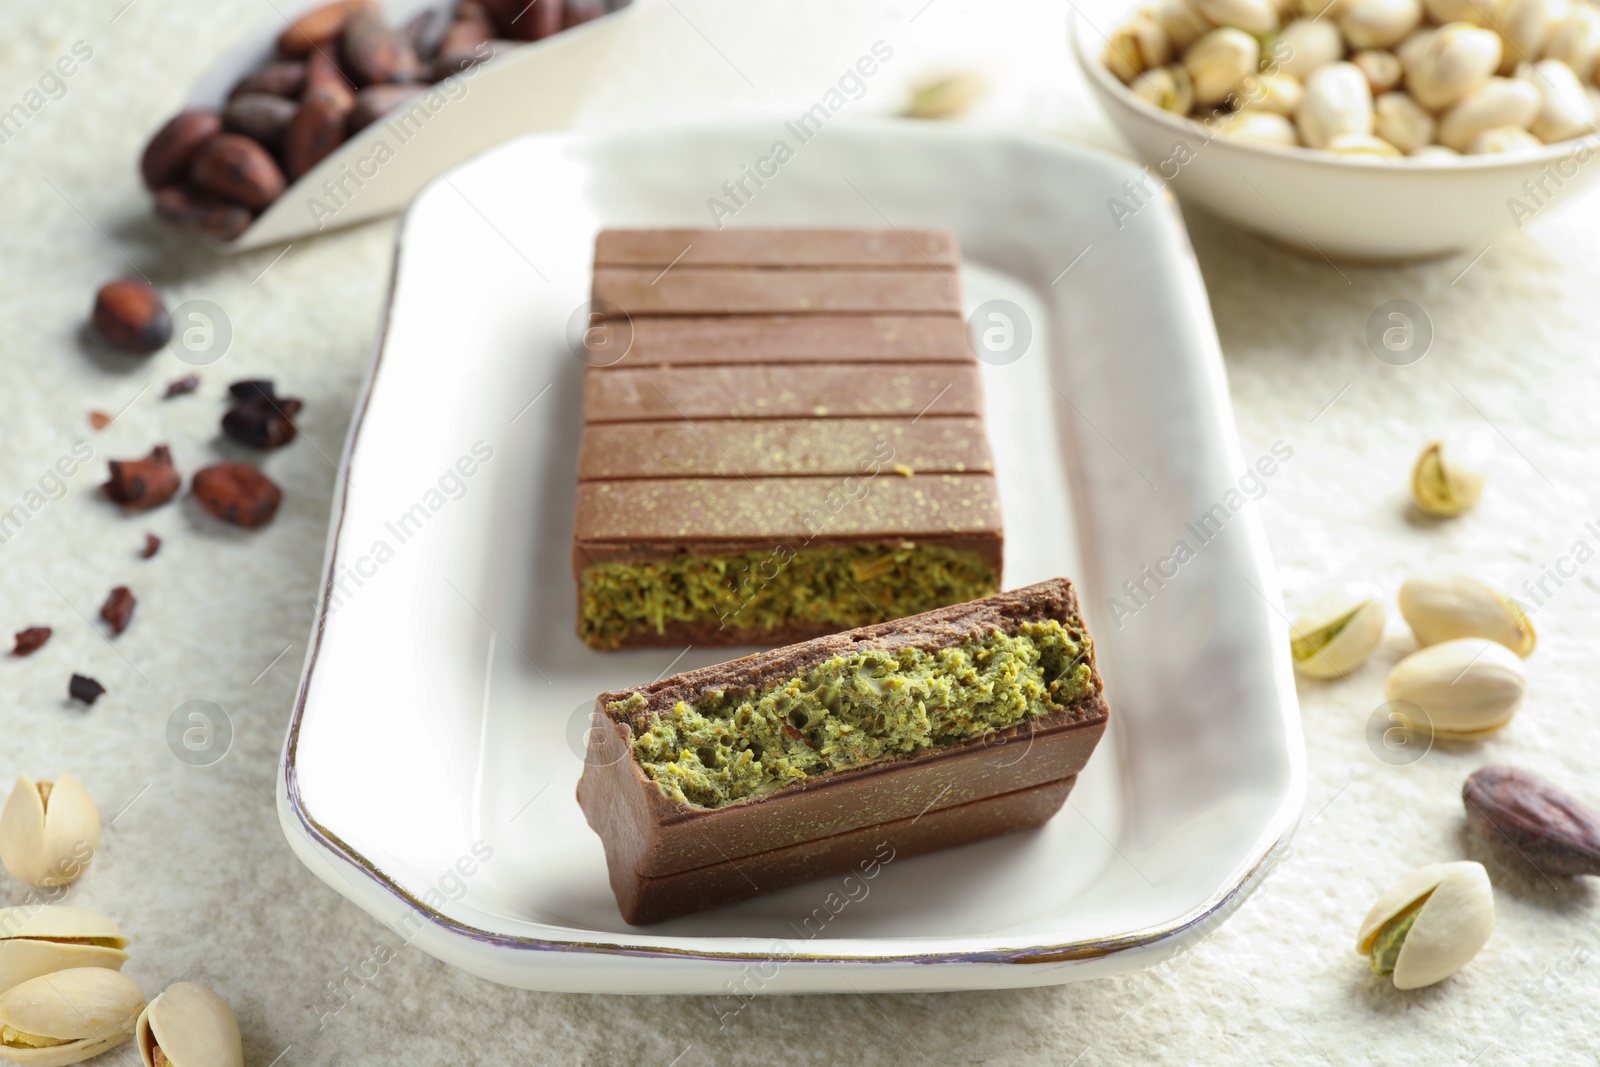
(430, 764)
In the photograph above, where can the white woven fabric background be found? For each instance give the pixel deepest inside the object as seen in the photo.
(194, 865)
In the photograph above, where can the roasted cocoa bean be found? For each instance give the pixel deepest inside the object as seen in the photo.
(173, 149)
(130, 315)
(523, 20)
(374, 52)
(238, 169)
(316, 130)
(261, 116)
(285, 77)
(325, 79)
(237, 493)
(1549, 828)
(426, 33)
(319, 25)
(580, 11)
(374, 103)
(117, 611)
(137, 484)
(450, 63)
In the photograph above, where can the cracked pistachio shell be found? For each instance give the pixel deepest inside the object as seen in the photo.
(48, 831)
(1136, 46)
(41, 939)
(1279, 93)
(192, 1026)
(947, 97)
(1258, 127)
(1445, 65)
(1467, 688)
(68, 1017)
(1452, 606)
(1218, 61)
(1440, 484)
(1167, 88)
(1362, 146)
(1338, 101)
(1338, 633)
(1181, 21)
(1451, 925)
(1402, 122)
(1565, 111)
(1379, 23)
(1306, 45)
(1381, 67)
(1252, 16)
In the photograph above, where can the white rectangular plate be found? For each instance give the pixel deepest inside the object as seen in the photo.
(436, 740)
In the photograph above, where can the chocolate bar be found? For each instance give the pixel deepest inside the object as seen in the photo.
(917, 734)
(790, 444)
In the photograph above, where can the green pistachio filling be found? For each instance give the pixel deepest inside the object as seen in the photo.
(1386, 945)
(1303, 646)
(835, 586)
(855, 709)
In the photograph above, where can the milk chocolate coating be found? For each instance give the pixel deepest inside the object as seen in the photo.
(648, 835)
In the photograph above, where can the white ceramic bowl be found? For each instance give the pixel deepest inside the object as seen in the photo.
(1339, 207)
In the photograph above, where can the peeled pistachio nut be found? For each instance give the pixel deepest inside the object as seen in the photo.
(48, 831)
(1430, 924)
(1136, 46)
(1378, 23)
(1218, 61)
(1181, 21)
(1433, 151)
(1527, 26)
(1337, 102)
(1252, 16)
(68, 1017)
(1576, 40)
(1441, 484)
(1468, 687)
(1564, 108)
(189, 1026)
(40, 939)
(946, 97)
(1477, 12)
(1261, 127)
(1402, 122)
(1444, 65)
(1501, 102)
(1279, 93)
(1504, 141)
(1362, 146)
(1338, 633)
(1452, 606)
(1382, 69)
(1167, 88)
(1555, 832)
(1304, 46)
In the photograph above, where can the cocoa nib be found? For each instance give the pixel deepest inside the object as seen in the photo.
(152, 545)
(31, 640)
(237, 493)
(181, 386)
(130, 315)
(143, 483)
(99, 420)
(118, 609)
(1552, 830)
(85, 689)
(261, 418)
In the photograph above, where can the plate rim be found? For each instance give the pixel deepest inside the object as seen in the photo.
(1270, 847)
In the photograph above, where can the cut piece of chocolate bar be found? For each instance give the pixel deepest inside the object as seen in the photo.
(795, 752)
(783, 439)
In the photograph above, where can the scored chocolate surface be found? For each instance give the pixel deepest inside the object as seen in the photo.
(764, 391)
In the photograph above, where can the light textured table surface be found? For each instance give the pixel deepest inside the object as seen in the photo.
(193, 864)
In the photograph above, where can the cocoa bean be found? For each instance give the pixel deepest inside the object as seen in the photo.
(130, 315)
(238, 169)
(374, 103)
(206, 212)
(309, 32)
(261, 116)
(137, 484)
(264, 420)
(315, 131)
(172, 150)
(237, 493)
(450, 63)
(426, 33)
(324, 78)
(580, 11)
(225, 221)
(526, 20)
(374, 53)
(1550, 829)
(284, 77)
